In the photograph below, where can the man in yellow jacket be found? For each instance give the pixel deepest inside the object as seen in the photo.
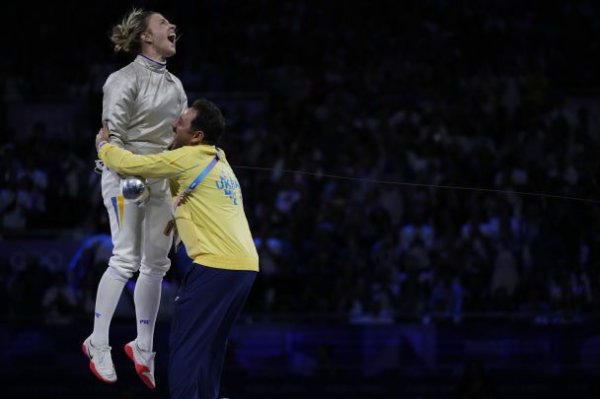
(210, 220)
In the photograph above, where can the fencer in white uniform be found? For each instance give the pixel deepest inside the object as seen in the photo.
(141, 101)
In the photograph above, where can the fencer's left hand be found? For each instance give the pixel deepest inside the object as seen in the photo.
(102, 136)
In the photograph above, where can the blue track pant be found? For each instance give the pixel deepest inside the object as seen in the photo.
(206, 307)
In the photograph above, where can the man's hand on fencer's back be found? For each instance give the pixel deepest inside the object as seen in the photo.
(102, 136)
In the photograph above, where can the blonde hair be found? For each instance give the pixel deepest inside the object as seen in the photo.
(126, 35)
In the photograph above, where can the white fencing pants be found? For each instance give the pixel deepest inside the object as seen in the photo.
(139, 243)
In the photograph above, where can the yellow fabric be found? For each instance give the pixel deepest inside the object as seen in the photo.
(121, 209)
(211, 221)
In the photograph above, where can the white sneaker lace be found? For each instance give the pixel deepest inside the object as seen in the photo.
(101, 357)
(144, 357)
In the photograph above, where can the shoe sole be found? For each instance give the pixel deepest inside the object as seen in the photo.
(93, 368)
(142, 371)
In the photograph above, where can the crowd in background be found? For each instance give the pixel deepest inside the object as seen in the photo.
(395, 171)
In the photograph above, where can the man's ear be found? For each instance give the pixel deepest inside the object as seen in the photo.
(198, 137)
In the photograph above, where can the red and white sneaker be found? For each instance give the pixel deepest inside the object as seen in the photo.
(144, 363)
(101, 362)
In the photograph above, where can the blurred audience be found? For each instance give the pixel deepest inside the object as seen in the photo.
(367, 117)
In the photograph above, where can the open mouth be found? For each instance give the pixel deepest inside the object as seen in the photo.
(172, 37)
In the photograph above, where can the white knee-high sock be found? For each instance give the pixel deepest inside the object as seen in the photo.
(146, 297)
(109, 291)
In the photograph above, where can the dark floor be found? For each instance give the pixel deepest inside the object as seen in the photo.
(49, 364)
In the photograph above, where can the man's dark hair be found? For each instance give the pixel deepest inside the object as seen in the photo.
(210, 120)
